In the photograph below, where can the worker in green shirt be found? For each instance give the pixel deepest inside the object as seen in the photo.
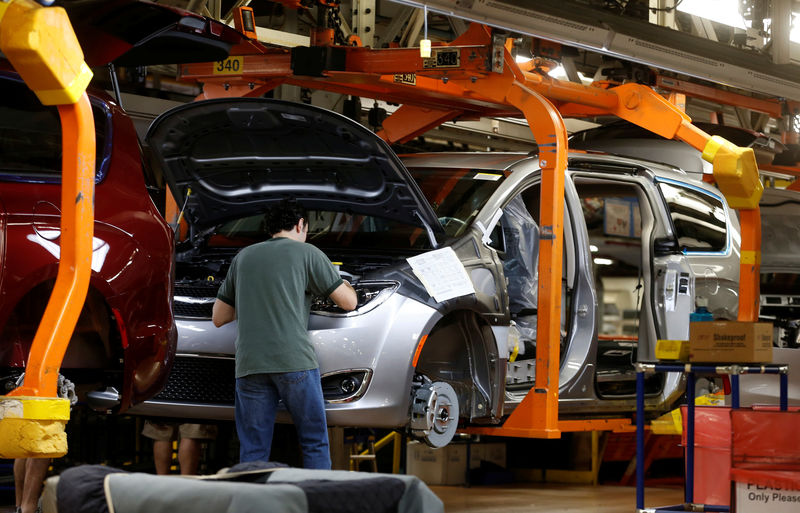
(268, 290)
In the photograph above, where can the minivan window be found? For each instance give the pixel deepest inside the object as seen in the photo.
(456, 194)
(698, 217)
(30, 136)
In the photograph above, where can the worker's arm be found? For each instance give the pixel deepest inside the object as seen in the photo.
(344, 296)
(222, 313)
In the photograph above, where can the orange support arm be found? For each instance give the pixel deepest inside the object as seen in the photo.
(40, 44)
(74, 268)
(410, 121)
(537, 415)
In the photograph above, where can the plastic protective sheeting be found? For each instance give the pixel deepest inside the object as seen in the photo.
(765, 448)
(712, 454)
(520, 263)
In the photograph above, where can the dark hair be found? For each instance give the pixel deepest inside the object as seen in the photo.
(284, 216)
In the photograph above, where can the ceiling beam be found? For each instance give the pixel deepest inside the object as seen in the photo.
(399, 19)
(627, 38)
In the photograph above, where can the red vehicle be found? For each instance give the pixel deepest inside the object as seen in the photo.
(125, 338)
(124, 343)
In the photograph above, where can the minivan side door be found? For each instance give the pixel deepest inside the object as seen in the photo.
(707, 234)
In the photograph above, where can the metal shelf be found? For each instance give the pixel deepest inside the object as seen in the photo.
(734, 370)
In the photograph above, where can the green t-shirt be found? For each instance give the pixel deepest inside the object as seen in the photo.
(270, 284)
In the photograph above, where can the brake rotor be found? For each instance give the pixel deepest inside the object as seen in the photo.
(434, 414)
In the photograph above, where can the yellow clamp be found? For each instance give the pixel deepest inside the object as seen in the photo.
(33, 427)
(735, 171)
(41, 45)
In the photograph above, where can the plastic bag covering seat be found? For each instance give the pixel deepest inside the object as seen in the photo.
(764, 449)
(520, 263)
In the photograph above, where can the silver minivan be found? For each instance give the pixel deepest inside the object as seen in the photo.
(637, 236)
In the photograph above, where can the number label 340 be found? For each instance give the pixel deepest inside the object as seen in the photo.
(230, 66)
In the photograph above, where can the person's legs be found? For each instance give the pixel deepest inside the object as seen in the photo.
(162, 434)
(255, 409)
(189, 455)
(302, 394)
(19, 479)
(192, 436)
(162, 456)
(33, 470)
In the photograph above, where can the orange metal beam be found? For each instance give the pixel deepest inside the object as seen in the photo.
(564, 426)
(409, 121)
(713, 94)
(786, 170)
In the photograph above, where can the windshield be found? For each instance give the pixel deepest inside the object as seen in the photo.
(456, 195)
(330, 230)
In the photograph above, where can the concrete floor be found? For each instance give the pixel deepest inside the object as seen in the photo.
(541, 498)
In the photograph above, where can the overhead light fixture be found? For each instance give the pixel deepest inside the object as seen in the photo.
(727, 12)
(721, 11)
(603, 261)
(425, 43)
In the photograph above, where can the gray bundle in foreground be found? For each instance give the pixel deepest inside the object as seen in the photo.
(268, 489)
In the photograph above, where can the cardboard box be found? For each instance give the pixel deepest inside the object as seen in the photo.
(752, 498)
(730, 341)
(445, 466)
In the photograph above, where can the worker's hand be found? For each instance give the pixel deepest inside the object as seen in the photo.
(345, 296)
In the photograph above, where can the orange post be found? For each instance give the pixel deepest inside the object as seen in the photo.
(74, 268)
(749, 265)
(41, 45)
(538, 414)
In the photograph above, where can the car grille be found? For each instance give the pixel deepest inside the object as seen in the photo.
(200, 380)
(195, 300)
(194, 310)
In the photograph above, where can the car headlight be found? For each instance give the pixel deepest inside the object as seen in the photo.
(370, 295)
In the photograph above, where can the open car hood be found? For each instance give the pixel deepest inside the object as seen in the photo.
(238, 156)
(136, 33)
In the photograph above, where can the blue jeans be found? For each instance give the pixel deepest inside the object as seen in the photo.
(257, 397)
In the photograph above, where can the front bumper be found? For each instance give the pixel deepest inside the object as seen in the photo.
(382, 342)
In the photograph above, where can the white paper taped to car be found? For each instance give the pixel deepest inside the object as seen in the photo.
(442, 273)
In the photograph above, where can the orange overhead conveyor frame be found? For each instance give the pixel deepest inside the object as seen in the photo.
(476, 76)
(41, 45)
